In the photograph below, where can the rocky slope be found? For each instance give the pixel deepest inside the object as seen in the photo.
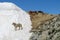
(45, 26)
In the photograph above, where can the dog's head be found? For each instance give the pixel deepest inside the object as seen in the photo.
(13, 23)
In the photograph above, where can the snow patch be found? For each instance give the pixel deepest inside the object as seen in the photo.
(7, 16)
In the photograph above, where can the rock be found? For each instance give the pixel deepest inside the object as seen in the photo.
(49, 30)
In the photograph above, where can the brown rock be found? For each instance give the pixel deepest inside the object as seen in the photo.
(38, 18)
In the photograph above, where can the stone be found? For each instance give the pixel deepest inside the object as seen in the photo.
(49, 29)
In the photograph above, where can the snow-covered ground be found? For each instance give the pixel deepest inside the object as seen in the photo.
(10, 13)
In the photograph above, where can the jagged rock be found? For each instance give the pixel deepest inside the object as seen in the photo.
(39, 18)
(47, 28)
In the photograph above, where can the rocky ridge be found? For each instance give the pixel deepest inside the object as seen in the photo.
(48, 29)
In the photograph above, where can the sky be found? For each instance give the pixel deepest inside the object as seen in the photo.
(48, 6)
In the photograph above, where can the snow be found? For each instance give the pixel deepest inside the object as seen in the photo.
(6, 5)
(10, 13)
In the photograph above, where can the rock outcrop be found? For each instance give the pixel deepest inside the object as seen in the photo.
(45, 26)
(39, 17)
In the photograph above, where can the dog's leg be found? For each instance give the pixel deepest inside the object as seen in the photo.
(15, 28)
(21, 28)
